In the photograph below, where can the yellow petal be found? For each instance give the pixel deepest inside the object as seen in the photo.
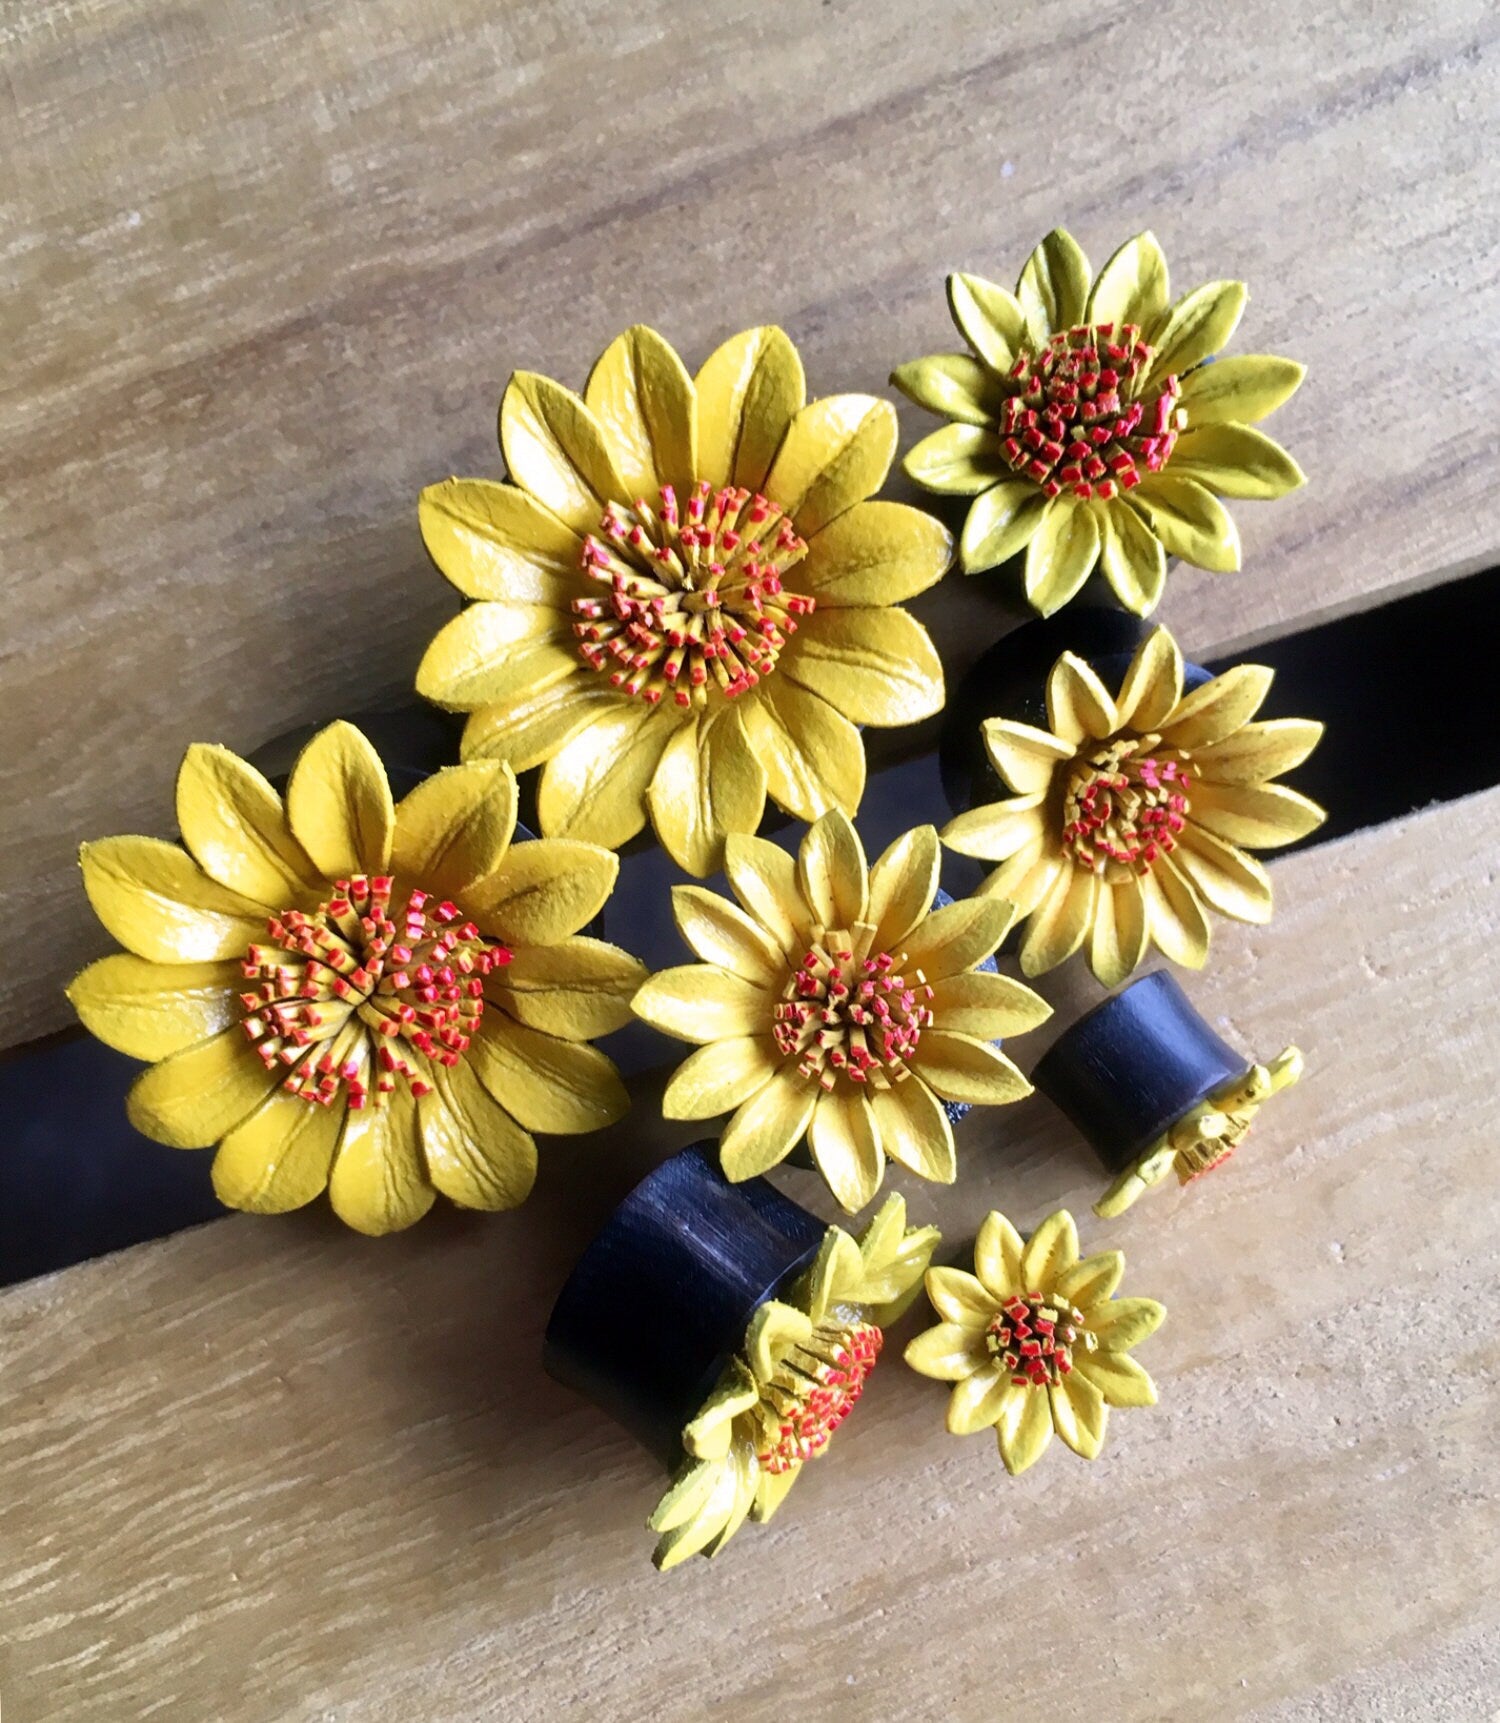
(961, 1068)
(989, 318)
(594, 787)
(1134, 562)
(998, 829)
(876, 553)
(846, 1147)
(152, 1010)
(717, 1078)
(831, 872)
(1061, 553)
(555, 448)
(496, 653)
(1079, 1414)
(1196, 328)
(1125, 1322)
(198, 1095)
(1060, 922)
(1132, 287)
(959, 1297)
(903, 883)
(771, 1491)
(1024, 1428)
(543, 891)
(233, 824)
(766, 1128)
(643, 400)
(836, 453)
(1050, 1251)
(544, 1083)
(813, 757)
(952, 385)
(1002, 521)
(1236, 461)
(748, 393)
(155, 899)
(1120, 932)
(1025, 757)
(1091, 1280)
(699, 1002)
(577, 988)
(1190, 521)
(997, 1257)
(956, 937)
(1256, 753)
(720, 932)
(976, 1401)
(836, 1276)
(1218, 708)
(454, 829)
(1078, 703)
(475, 1153)
(987, 1006)
(494, 541)
(875, 666)
(379, 1182)
(691, 1488)
(707, 784)
(1153, 683)
(1117, 1379)
(1239, 390)
(338, 803)
(1261, 816)
(1026, 878)
(915, 1130)
(764, 878)
(278, 1159)
(533, 725)
(736, 1391)
(1054, 286)
(712, 1518)
(948, 1352)
(1224, 877)
(957, 461)
(1178, 924)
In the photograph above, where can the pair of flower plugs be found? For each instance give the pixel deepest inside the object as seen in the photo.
(684, 601)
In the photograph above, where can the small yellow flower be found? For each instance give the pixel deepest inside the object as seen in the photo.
(1035, 1341)
(383, 1001)
(684, 601)
(1130, 811)
(1094, 422)
(835, 1003)
(803, 1366)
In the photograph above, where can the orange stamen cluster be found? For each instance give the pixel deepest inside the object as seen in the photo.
(847, 1011)
(815, 1388)
(1073, 424)
(359, 994)
(1125, 805)
(696, 600)
(1033, 1337)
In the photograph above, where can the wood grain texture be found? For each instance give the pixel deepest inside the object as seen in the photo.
(269, 1471)
(267, 267)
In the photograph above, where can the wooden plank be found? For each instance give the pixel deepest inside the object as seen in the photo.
(269, 267)
(269, 1470)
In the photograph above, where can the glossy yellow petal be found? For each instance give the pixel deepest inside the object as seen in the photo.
(533, 724)
(475, 1153)
(948, 1352)
(1061, 921)
(278, 1159)
(957, 461)
(200, 1094)
(831, 872)
(1133, 286)
(1121, 930)
(720, 932)
(544, 1083)
(1153, 683)
(644, 402)
(707, 784)
(454, 829)
(1079, 1414)
(1092, 1279)
(1050, 1251)
(957, 936)
(711, 1430)
(845, 1146)
(577, 988)
(1224, 877)
(764, 878)
(594, 787)
(813, 757)
(1132, 557)
(875, 666)
(766, 1128)
(494, 541)
(987, 1006)
(960, 1068)
(233, 824)
(771, 1490)
(1001, 522)
(495, 653)
(903, 883)
(1124, 1322)
(155, 899)
(338, 802)
(1261, 816)
(989, 318)
(836, 453)
(997, 1257)
(543, 891)
(712, 1517)
(1061, 553)
(1178, 924)
(1117, 1380)
(952, 385)
(690, 1489)
(717, 1078)
(152, 1010)
(555, 448)
(915, 1130)
(1079, 706)
(1054, 286)
(748, 393)
(876, 553)
(976, 1401)
(997, 829)
(1196, 328)
(836, 1276)
(1218, 708)
(1025, 757)
(1190, 521)
(700, 1002)
(1024, 1428)
(379, 1181)
(894, 1260)
(1026, 878)
(959, 1297)
(1255, 753)
(1236, 461)
(1239, 390)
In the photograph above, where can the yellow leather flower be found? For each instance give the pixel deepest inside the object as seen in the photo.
(801, 1370)
(1035, 1341)
(1094, 422)
(684, 601)
(835, 1003)
(383, 1001)
(1130, 812)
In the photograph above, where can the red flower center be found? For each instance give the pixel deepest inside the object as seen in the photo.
(814, 1390)
(846, 1011)
(1125, 804)
(1075, 421)
(1034, 1337)
(694, 599)
(361, 993)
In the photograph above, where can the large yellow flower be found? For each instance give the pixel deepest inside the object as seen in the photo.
(1130, 811)
(381, 1001)
(1094, 423)
(684, 601)
(836, 1003)
(802, 1368)
(1035, 1341)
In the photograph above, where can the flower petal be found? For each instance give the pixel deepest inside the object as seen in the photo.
(1132, 287)
(948, 1352)
(707, 784)
(534, 724)
(1196, 328)
(494, 541)
(379, 1181)
(721, 933)
(543, 891)
(1079, 1414)
(1239, 390)
(278, 1159)
(1134, 562)
(997, 829)
(690, 1489)
(1178, 924)
(1153, 683)
(876, 553)
(952, 385)
(764, 878)
(1024, 1429)
(1190, 521)
(1224, 877)
(836, 1276)
(233, 824)
(475, 1153)
(831, 873)
(987, 1006)
(1124, 1322)
(989, 318)
(338, 803)
(813, 757)
(643, 399)
(846, 1147)
(496, 654)
(152, 1010)
(577, 988)
(1025, 757)
(1054, 286)
(1060, 923)
(957, 461)
(976, 1401)
(1078, 704)
(717, 1078)
(699, 1002)
(712, 1517)
(915, 1130)
(546, 1084)
(957, 936)
(766, 1128)
(1061, 553)
(875, 666)
(748, 393)
(836, 453)
(1091, 1280)
(1120, 932)
(155, 899)
(1236, 461)
(555, 448)
(1218, 708)
(903, 883)
(771, 1491)
(1050, 1251)
(1256, 753)
(1115, 1378)
(1260, 816)
(454, 829)
(997, 1257)
(594, 787)
(959, 1297)
(961, 1068)
(1026, 878)
(197, 1096)
(1002, 520)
